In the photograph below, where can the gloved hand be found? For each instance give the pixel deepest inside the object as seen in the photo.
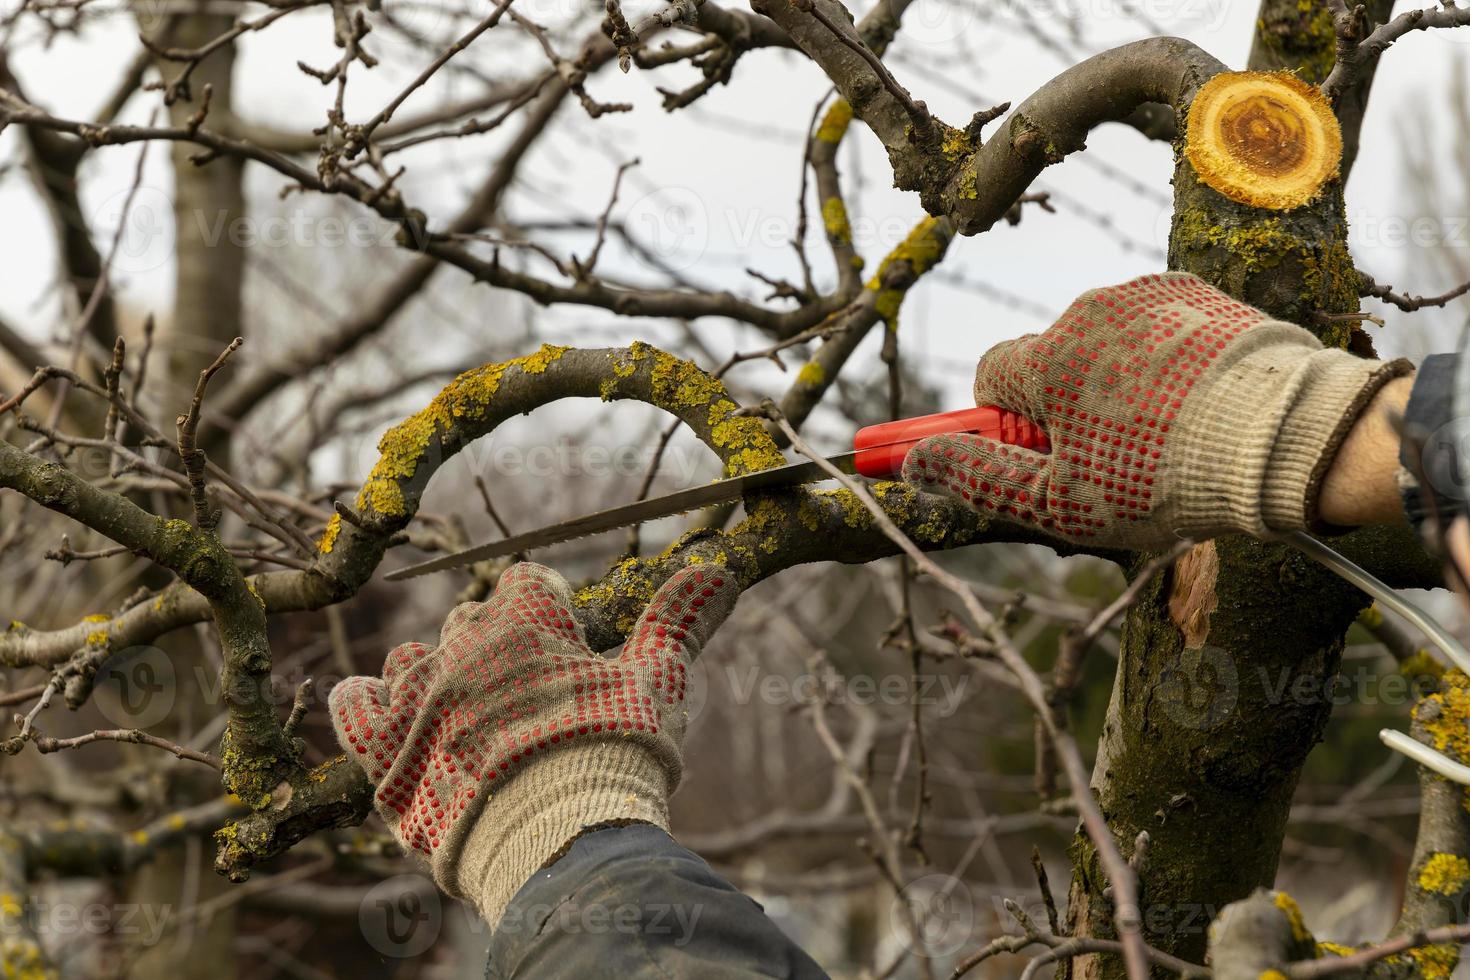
(1172, 410)
(492, 752)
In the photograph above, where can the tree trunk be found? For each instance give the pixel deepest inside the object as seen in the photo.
(208, 202)
(1224, 667)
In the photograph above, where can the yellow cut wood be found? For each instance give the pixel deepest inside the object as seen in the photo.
(1266, 139)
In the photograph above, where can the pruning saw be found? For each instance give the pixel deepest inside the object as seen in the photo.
(877, 453)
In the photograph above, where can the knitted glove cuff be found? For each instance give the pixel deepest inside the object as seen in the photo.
(543, 809)
(1255, 447)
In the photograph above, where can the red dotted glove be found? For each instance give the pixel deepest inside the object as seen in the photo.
(1172, 411)
(493, 751)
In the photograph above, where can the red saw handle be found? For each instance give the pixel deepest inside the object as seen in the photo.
(881, 448)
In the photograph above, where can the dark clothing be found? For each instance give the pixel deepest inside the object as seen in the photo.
(630, 902)
(1434, 478)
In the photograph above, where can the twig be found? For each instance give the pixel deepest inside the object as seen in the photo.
(27, 721)
(1350, 62)
(110, 380)
(1127, 915)
(1076, 643)
(45, 744)
(1053, 919)
(1063, 947)
(1332, 965)
(490, 506)
(66, 555)
(1404, 301)
(358, 136)
(883, 849)
(191, 455)
(585, 269)
(918, 112)
(300, 705)
(21, 695)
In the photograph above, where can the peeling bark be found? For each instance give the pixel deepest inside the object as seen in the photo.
(1193, 598)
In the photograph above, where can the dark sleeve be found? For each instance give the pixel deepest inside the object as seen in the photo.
(631, 902)
(1434, 453)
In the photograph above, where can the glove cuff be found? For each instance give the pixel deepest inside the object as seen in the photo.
(533, 819)
(1261, 439)
(1338, 388)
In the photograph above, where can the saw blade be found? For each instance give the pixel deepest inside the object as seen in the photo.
(679, 502)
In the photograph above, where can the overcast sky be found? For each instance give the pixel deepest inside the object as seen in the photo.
(716, 186)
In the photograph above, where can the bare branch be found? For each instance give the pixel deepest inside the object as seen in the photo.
(1404, 301)
(1127, 914)
(1352, 60)
(189, 451)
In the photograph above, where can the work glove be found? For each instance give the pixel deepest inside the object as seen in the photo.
(1172, 411)
(492, 752)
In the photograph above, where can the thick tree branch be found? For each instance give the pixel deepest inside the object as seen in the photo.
(956, 176)
(782, 530)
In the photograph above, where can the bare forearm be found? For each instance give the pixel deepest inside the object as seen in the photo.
(1361, 486)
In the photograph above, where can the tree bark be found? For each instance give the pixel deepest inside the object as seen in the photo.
(208, 204)
(1224, 668)
(209, 275)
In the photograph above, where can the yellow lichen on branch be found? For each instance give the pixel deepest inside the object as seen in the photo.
(329, 536)
(1293, 912)
(923, 247)
(834, 219)
(1436, 962)
(22, 959)
(680, 387)
(1444, 715)
(1266, 139)
(835, 122)
(1444, 874)
(402, 446)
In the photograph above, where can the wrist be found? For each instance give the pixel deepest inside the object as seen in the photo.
(1326, 422)
(531, 820)
(1255, 450)
(1361, 485)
